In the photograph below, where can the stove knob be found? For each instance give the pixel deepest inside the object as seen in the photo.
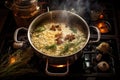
(103, 66)
(17, 45)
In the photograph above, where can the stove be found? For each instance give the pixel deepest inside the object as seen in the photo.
(23, 63)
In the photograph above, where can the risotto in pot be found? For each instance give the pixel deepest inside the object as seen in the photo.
(58, 39)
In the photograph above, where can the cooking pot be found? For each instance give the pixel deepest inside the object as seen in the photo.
(59, 16)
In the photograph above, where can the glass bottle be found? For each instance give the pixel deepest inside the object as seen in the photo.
(25, 11)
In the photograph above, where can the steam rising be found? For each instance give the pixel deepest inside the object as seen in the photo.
(77, 6)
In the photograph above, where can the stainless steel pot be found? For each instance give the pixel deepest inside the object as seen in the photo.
(66, 17)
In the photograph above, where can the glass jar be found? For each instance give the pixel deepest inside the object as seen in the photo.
(25, 11)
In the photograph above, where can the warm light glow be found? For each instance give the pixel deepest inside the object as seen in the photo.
(101, 16)
(59, 66)
(12, 60)
(103, 27)
(100, 25)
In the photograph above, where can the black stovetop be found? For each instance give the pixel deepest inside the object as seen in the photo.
(84, 68)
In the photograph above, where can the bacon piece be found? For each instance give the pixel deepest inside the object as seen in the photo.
(59, 41)
(70, 37)
(59, 38)
(53, 28)
(58, 27)
(59, 35)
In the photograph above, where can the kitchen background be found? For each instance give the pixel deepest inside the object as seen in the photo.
(22, 63)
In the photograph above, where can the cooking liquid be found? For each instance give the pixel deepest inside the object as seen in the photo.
(25, 12)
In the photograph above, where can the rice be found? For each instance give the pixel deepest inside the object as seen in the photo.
(47, 42)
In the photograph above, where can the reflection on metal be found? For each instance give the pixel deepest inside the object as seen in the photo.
(59, 66)
(12, 60)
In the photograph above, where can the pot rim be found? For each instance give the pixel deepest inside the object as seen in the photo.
(34, 20)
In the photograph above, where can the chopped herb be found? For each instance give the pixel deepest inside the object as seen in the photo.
(67, 47)
(40, 29)
(74, 29)
(52, 47)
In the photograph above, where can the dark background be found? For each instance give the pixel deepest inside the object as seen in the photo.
(5, 12)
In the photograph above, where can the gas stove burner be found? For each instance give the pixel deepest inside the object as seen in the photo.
(103, 26)
(99, 60)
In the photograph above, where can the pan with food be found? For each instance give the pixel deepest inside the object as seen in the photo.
(59, 36)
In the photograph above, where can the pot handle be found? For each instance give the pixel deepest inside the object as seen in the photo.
(57, 74)
(17, 43)
(98, 34)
